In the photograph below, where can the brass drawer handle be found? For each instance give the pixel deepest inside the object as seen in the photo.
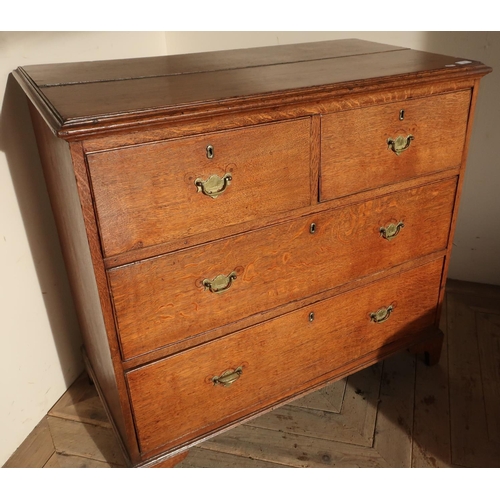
(400, 144)
(381, 315)
(391, 231)
(220, 283)
(228, 377)
(214, 185)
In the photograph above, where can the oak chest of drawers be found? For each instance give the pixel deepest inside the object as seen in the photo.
(243, 227)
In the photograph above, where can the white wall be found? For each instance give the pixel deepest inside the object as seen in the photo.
(476, 250)
(39, 336)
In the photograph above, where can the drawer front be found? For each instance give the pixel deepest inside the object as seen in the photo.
(356, 156)
(162, 301)
(272, 359)
(149, 194)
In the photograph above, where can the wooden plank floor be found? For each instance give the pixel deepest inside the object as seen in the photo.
(399, 413)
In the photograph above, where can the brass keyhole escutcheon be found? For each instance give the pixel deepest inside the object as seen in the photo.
(311, 316)
(210, 151)
(312, 228)
(402, 114)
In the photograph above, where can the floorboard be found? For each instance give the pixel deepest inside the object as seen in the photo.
(431, 423)
(35, 450)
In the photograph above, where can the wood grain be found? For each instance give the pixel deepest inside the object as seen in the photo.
(204, 458)
(293, 450)
(329, 398)
(162, 301)
(118, 102)
(271, 220)
(355, 155)
(61, 461)
(81, 403)
(290, 351)
(470, 444)
(67, 183)
(86, 440)
(289, 124)
(431, 422)
(354, 425)
(152, 197)
(333, 102)
(488, 335)
(35, 450)
(147, 67)
(393, 431)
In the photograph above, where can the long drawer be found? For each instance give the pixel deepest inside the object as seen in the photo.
(150, 194)
(366, 148)
(167, 299)
(216, 383)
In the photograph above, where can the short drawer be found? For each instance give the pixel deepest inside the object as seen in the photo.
(217, 383)
(164, 300)
(149, 194)
(357, 153)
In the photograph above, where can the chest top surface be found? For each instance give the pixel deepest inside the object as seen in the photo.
(75, 97)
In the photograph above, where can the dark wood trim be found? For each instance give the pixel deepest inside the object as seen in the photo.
(315, 157)
(184, 126)
(101, 104)
(52, 118)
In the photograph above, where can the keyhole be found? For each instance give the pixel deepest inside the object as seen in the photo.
(312, 228)
(311, 316)
(402, 114)
(210, 151)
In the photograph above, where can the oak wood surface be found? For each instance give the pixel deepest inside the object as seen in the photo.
(273, 313)
(140, 254)
(279, 75)
(107, 100)
(272, 115)
(355, 155)
(67, 184)
(430, 435)
(152, 197)
(183, 126)
(275, 357)
(161, 301)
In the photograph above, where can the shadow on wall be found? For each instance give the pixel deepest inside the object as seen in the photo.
(477, 239)
(18, 142)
